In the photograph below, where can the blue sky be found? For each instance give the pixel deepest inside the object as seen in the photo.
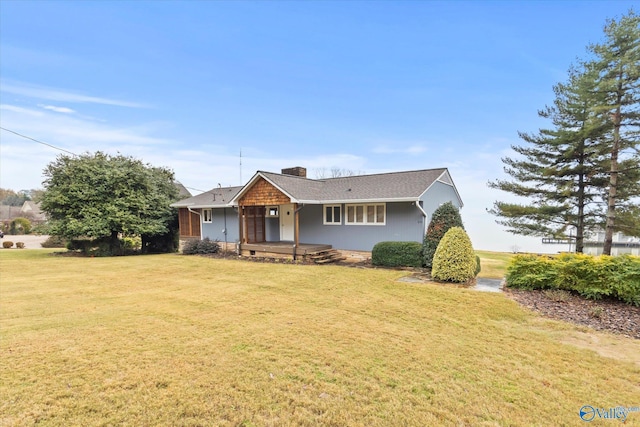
(370, 86)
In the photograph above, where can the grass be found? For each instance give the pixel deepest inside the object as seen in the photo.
(192, 341)
(494, 264)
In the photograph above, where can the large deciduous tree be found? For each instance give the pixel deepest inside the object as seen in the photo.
(586, 164)
(103, 197)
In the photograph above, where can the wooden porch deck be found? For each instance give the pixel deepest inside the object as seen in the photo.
(281, 248)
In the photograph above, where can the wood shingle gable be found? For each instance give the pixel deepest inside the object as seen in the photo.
(263, 193)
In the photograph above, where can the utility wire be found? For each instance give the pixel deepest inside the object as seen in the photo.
(39, 142)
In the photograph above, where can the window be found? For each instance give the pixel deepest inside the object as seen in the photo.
(366, 214)
(207, 215)
(332, 214)
(272, 211)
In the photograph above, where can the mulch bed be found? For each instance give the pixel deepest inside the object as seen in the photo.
(604, 315)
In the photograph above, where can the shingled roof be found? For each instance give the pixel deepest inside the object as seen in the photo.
(384, 187)
(218, 197)
(387, 187)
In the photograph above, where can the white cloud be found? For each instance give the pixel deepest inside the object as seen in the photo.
(52, 94)
(57, 109)
(399, 148)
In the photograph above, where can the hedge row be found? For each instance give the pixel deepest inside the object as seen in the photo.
(397, 254)
(592, 277)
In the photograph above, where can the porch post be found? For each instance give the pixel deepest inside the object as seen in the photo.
(296, 226)
(240, 228)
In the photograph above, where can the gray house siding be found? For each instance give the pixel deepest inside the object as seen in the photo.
(272, 229)
(438, 194)
(404, 222)
(215, 229)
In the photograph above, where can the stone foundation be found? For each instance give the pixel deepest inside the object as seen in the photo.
(355, 256)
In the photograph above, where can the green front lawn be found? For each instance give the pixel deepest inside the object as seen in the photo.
(191, 341)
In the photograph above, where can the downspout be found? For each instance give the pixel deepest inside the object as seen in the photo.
(295, 230)
(224, 214)
(199, 215)
(424, 231)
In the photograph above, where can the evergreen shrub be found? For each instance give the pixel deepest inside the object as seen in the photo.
(201, 247)
(454, 260)
(592, 277)
(478, 267)
(20, 245)
(7, 244)
(443, 218)
(397, 254)
(20, 226)
(54, 242)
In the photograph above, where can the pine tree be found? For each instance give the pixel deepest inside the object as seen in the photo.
(617, 61)
(559, 168)
(588, 164)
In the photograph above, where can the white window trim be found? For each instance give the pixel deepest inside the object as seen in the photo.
(268, 212)
(324, 215)
(364, 214)
(204, 216)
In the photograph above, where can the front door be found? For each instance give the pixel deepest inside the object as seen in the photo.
(286, 222)
(254, 224)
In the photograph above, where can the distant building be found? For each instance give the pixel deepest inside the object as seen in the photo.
(31, 211)
(621, 244)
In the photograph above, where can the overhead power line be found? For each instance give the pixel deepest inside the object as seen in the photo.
(39, 142)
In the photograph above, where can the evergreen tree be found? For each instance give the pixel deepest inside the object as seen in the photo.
(589, 159)
(617, 62)
(560, 168)
(443, 218)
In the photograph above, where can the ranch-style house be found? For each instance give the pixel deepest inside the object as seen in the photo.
(289, 215)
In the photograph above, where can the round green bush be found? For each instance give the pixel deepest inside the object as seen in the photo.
(7, 244)
(397, 254)
(201, 247)
(454, 260)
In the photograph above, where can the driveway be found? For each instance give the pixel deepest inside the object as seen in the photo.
(31, 241)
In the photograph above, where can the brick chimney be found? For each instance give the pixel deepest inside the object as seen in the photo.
(295, 171)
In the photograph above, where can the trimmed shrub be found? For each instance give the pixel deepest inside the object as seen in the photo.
(443, 218)
(201, 247)
(20, 245)
(454, 260)
(591, 277)
(54, 242)
(7, 244)
(20, 226)
(397, 254)
(531, 272)
(478, 267)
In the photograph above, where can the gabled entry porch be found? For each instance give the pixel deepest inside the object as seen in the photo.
(269, 224)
